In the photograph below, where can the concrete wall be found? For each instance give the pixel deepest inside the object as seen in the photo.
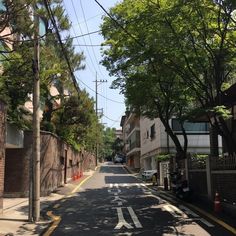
(2, 150)
(59, 164)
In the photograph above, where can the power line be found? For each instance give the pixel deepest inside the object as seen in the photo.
(50, 13)
(96, 60)
(98, 93)
(110, 119)
(117, 23)
(77, 18)
(90, 45)
(82, 35)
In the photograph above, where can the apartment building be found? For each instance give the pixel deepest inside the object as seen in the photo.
(130, 124)
(145, 139)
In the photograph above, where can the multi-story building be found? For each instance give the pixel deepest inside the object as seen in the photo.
(131, 135)
(154, 139)
(145, 139)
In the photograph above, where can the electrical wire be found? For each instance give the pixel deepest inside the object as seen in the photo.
(96, 60)
(51, 16)
(90, 45)
(118, 24)
(77, 18)
(82, 35)
(98, 93)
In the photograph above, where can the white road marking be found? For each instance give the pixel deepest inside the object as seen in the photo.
(188, 211)
(122, 222)
(171, 211)
(134, 218)
(197, 217)
(138, 185)
(147, 192)
(127, 185)
(120, 203)
(117, 198)
(114, 191)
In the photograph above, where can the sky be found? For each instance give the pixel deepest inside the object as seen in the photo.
(86, 17)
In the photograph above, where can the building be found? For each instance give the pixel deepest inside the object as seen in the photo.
(130, 124)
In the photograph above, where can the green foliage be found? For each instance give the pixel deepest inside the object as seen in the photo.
(222, 111)
(178, 55)
(68, 114)
(117, 145)
(47, 126)
(163, 157)
(106, 148)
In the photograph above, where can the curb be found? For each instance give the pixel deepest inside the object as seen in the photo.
(220, 222)
(167, 196)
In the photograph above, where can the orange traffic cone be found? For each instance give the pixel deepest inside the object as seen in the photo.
(217, 203)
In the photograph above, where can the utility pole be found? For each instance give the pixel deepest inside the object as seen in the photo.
(34, 196)
(96, 107)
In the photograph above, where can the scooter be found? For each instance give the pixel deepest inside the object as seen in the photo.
(180, 187)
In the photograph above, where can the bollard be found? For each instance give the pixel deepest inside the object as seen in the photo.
(217, 203)
(166, 184)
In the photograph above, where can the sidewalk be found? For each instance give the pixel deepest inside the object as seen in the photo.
(14, 220)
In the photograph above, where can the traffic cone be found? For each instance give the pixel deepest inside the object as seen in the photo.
(217, 203)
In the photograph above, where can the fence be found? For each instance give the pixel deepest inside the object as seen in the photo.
(219, 175)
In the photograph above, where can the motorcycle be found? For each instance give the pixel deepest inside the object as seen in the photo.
(180, 187)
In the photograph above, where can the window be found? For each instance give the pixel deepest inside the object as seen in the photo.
(191, 127)
(152, 132)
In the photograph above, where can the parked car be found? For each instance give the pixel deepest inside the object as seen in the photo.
(149, 175)
(119, 159)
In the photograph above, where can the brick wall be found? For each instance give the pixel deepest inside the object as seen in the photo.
(2, 150)
(59, 164)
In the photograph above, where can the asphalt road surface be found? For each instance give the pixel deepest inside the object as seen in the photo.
(114, 202)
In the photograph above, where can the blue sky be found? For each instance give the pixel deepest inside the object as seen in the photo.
(85, 16)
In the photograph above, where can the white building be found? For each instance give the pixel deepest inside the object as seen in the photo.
(154, 139)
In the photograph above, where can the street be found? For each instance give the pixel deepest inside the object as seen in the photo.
(114, 202)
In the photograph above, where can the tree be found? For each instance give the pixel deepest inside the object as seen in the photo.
(189, 44)
(108, 140)
(74, 120)
(64, 111)
(160, 91)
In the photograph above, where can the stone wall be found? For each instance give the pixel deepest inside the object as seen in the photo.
(2, 150)
(59, 164)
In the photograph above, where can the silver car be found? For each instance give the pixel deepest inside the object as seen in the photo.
(148, 174)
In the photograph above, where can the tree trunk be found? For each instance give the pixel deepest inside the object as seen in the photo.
(181, 153)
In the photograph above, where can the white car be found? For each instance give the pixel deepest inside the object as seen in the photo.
(148, 174)
(118, 159)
